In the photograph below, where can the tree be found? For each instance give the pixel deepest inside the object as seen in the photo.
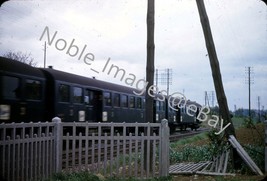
(21, 57)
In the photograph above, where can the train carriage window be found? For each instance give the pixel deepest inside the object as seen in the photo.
(10, 87)
(139, 102)
(64, 93)
(124, 101)
(163, 105)
(107, 98)
(33, 89)
(77, 95)
(132, 102)
(157, 105)
(116, 100)
(89, 97)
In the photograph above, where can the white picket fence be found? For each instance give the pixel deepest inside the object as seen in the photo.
(34, 151)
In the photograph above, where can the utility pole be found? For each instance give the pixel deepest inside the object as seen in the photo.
(207, 99)
(215, 68)
(259, 108)
(149, 112)
(165, 77)
(45, 54)
(157, 77)
(212, 98)
(249, 81)
(150, 58)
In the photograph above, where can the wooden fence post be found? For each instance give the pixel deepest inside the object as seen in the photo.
(58, 144)
(265, 145)
(165, 160)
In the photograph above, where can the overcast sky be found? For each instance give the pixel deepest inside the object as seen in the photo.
(116, 30)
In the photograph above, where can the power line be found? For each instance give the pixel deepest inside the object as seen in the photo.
(164, 77)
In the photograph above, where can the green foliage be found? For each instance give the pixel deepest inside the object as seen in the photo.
(191, 153)
(169, 178)
(189, 140)
(185, 150)
(218, 143)
(81, 176)
(248, 123)
(257, 155)
(237, 121)
(86, 176)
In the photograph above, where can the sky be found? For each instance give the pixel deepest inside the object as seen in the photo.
(113, 32)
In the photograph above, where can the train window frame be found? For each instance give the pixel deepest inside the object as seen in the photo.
(89, 96)
(157, 105)
(139, 102)
(116, 100)
(107, 98)
(131, 101)
(16, 92)
(163, 105)
(124, 102)
(67, 94)
(34, 87)
(77, 99)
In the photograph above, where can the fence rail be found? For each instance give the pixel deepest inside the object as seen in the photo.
(32, 151)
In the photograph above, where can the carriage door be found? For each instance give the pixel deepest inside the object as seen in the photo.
(93, 101)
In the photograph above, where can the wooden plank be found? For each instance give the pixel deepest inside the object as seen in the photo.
(215, 173)
(244, 155)
(187, 168)
(226, 161)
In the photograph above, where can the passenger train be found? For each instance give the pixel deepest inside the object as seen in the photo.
(30, 94)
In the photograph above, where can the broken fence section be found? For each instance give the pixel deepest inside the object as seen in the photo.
(216, 167)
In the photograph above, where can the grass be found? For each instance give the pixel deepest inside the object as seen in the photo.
(238, 122)
(191, 140)
(86, 176)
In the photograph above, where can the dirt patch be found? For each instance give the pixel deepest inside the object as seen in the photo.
(253, 135)
(217, 178)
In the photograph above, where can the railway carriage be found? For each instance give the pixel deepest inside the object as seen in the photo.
(40, 94)
(22, 92)
(77, 98)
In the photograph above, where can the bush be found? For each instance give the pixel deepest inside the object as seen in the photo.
(78, 176)
(86, 176)
(256, 153)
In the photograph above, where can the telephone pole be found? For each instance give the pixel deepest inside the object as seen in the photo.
(45, 54)
(249, 81)
(165, 77)
(259, 108)
(215, 68)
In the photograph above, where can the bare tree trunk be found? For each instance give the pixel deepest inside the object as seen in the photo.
(215, 68)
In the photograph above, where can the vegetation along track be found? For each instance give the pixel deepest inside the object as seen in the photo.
(184, 134)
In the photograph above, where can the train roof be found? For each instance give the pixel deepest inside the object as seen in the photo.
(85, 81)
(189, 102)
(16, 67)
